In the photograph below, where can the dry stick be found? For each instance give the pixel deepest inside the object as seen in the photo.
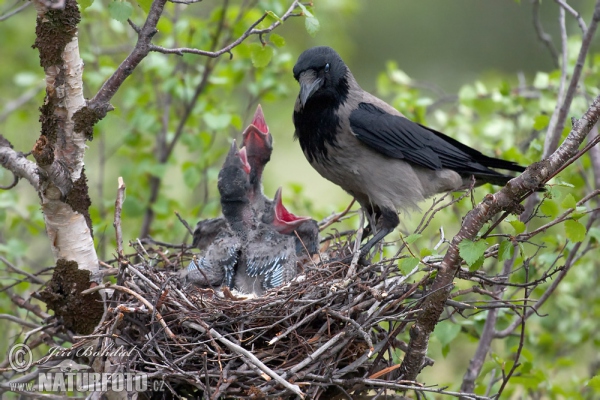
(184, 222)
(117, 220)
(137, 296)
(336, 217)
(295, 326)
(356, 256)
(397, 386)
(504, 200)
(251, 357)
(316, 354)
(356, 325)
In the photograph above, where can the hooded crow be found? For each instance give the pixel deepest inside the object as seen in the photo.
(371, 150)
(249, 255)
(218, 265)
(259, 145)
(206, 232)
(304, 230)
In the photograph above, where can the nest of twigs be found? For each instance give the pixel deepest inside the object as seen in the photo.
(327, 333)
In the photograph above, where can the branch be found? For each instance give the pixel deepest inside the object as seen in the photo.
(563, 4)
(251, 357)
(16, 163)
(487, 335)
(15, 11)
(100, 102)
(117, 221)
(561, 87)
(505, 200)
(227, 49)
(543, 35)
(553, 137)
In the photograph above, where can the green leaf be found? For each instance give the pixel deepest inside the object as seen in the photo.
(274, 16)
(260, 55)
(312, 25)
(559, 182)
(575, 231)
(471, 251)
(408, 264)
(541, 80)
(540, 122)
(277, 40)
(594, 383)
(425, 252)
(217, 121)
(446, 332)
(517, 225)
(145, 5)
(550, 208)
(569, 202)
(191, 175)
(305, 10)
(120, 10)
(83, 4)
(505, 250)
(412, 238)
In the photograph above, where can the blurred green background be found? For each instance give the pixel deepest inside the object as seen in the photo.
(461, 56)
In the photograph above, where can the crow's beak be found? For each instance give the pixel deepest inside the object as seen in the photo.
(309, 84)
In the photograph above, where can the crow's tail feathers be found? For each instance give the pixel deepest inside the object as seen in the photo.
(489, 162)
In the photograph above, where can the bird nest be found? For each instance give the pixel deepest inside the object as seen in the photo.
(330, 331)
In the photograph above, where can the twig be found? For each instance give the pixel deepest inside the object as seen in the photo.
(566, 104)
(117, 220)
(355, 324)
(561, 87)
(184, 222)
(145, 302)
(504, 200)
(13, 105)
(543, 35)
(336, 217)
(227, 49)
(31, 278)
(15, 11)
(251, 357)
(563, 4)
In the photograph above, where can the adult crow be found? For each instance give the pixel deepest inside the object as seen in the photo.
(371, 150)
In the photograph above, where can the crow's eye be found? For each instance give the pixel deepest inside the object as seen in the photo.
(327, 67)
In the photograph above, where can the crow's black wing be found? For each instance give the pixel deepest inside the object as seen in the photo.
(489, 162)
(400, 138)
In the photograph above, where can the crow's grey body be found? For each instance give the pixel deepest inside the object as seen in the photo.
(207, 230)
(371, 150)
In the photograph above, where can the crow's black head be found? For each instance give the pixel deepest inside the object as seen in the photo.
(321, 73)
